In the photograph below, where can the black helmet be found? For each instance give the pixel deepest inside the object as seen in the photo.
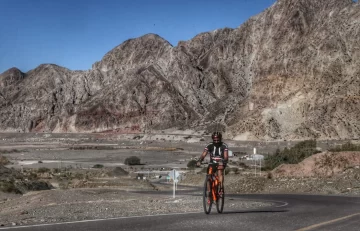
(216, 137)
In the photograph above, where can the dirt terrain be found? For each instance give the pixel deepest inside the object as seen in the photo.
(89, 180)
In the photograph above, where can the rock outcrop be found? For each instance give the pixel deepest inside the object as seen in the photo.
(290, 72)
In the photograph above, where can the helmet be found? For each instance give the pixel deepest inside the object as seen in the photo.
(216, 137)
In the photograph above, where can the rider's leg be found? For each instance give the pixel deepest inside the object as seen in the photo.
(208, 184)
(221, 175)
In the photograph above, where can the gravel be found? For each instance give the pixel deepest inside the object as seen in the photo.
(85, 204)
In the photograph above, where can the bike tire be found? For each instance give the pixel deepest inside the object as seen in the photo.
(220, 199)
(207, 204)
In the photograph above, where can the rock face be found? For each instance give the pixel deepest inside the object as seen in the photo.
(291, 72)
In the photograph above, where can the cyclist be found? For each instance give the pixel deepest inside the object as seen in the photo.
(216, 149)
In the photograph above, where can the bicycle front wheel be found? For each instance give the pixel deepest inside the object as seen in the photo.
(207, 198)
(220, 199)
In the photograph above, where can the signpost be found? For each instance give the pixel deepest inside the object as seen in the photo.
(173, 174)
(255, 159)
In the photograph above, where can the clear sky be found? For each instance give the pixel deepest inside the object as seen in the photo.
(76, 33)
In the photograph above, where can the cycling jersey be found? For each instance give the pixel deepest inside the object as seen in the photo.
(216, 151)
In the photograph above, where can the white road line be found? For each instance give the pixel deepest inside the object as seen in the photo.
(105, 219)
(327, 222)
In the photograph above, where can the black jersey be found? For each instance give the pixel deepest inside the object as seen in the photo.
(216, 151)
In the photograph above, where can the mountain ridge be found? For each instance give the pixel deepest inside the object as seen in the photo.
(290, 72)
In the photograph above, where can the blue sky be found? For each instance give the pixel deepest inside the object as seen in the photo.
(76, 33)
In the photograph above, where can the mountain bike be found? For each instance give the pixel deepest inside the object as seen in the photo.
(212, 189)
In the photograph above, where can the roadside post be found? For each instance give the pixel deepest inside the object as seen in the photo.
(255, 160)
(173, 174)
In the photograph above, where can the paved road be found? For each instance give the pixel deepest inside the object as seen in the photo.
(290, 212)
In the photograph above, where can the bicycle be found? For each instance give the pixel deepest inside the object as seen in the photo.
(212, 189)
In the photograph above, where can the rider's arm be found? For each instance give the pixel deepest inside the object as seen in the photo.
(226, 155)
(203, 155)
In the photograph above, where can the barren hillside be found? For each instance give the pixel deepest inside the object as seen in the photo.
(290, 72)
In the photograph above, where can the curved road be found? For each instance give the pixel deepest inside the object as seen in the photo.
(290, 212)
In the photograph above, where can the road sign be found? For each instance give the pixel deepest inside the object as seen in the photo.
(173, 174)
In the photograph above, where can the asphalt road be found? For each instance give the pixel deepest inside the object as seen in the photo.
(290, 212)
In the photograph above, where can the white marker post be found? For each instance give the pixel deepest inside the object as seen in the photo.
(174, 185)
(174, 175)
(255, 159)
(260, 168)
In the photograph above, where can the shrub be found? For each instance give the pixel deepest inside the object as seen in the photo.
(235, 170)
(42, 170)
(191, 164)
(4, 160)
(98, 166)
(32, 176)
(227, 170)
(8, 187)
(294, 155)
(132, 160)
(79, 175)
(204, 170)
(187, 137)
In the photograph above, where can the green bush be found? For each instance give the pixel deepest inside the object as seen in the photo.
(32, 176)
(346, 147)
(8, 187)
(294, 155)
(191, 164)
(132, 160)
(98, 166)
(43, 170)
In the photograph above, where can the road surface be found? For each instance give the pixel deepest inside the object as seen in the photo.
(289, 212)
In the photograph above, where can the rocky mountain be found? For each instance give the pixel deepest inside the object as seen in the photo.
(290, 72)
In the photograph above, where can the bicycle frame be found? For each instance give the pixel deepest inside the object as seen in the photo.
(214, 181)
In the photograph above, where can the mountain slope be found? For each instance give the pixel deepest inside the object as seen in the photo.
(291, 72)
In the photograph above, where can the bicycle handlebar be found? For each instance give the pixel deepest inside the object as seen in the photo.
(215, 161)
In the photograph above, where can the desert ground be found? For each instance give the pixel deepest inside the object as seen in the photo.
(88, 179)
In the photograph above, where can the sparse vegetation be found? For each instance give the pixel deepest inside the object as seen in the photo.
(43, 170)
(191, 164)
(187, 137)
(292, 155)
(98, 166)
(132, 160)
(137, 137)
(227, 170)
(8, 187)
(4, 160)
(346, 147)
(8, 151)
(234, 170)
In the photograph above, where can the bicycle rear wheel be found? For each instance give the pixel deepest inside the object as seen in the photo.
(207, 199)
(220, 199)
